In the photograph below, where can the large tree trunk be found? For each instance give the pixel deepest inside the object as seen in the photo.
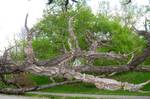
(101, 83)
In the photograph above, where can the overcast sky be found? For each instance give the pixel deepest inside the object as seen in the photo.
(12, 15)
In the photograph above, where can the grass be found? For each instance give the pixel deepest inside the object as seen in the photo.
(89, 89)
(57, 97)
(135, 77)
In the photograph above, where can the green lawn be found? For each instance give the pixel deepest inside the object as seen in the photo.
(89, 89)
(57, 97)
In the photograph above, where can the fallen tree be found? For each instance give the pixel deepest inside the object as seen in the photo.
(58, 66)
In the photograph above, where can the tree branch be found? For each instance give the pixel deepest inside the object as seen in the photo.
(34, 88)
(137, 60)
(73, 39)
(28, 49)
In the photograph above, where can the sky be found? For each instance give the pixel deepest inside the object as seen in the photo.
(13, 12)
(12, 16)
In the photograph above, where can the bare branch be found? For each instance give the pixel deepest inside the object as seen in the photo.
(110, 55)
(26, 21)
(101, 69)
(146, 29)
(73, 38)
(6, 59)
(29, 50)
(59, 60)
(129, 1)
(142, 69)
(95, 42)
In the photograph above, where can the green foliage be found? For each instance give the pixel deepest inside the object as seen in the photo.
(123, 40)
(54, 33)
(44, 49)
(146, 62)
(126, 41)
(55, 26)
(39, 80)
(83, 21)
(106, 62)
(17, 53)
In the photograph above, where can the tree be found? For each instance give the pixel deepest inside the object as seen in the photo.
(60, 66)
